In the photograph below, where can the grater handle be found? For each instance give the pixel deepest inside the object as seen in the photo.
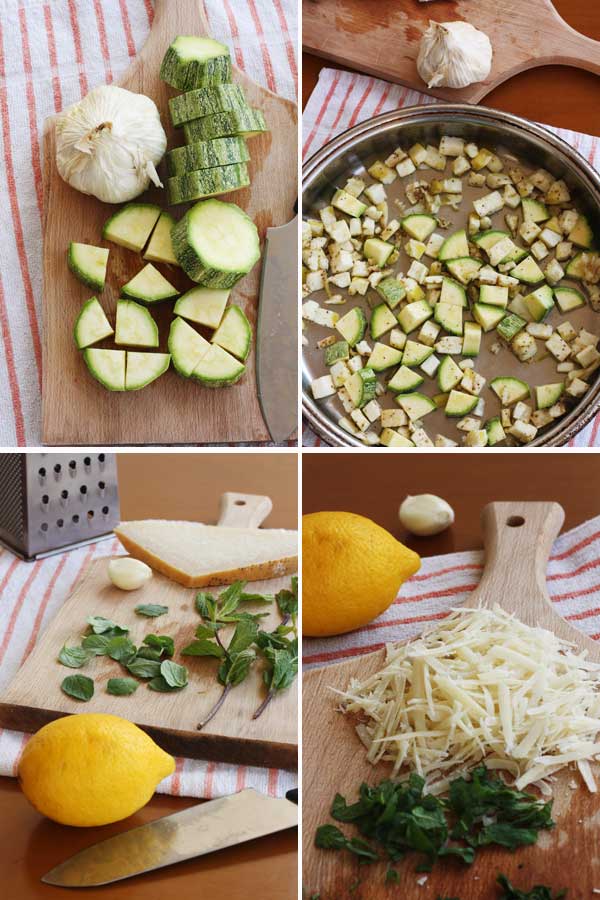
(243, 510)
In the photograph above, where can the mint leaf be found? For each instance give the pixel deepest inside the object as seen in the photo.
(161, 642)
(144, 668)
(539, 892)
(243, 637)
(203, 647)
(78, 686)
(149, 653)
(100, 625)
(235, 672)
(121, 649)
(205, 605)
(73, 657)
(96, 644)
(175, 675)
(160, 684)
(152, 610)
(122, 687)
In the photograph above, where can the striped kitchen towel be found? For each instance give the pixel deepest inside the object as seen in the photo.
(344, 99)
(446, 581)
(52, 52)
(30, 596)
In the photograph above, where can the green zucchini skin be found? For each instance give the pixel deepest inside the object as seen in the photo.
(206, 101)
(244, 122)
(186, 76)
(207, 155)
(207, 183)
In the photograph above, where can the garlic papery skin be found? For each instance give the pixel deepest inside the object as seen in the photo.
(109, 144)
(425, 514)
(454, 54)
(128, 573)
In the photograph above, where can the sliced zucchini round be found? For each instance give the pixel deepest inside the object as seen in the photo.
(419, 226)
(135, 326)
(454, 247)
(132, 225)
(186, 347)
(91, 324)
(382, 320)
(453, 293)
(414, 314)
(539, 303)
(568, 298)
(207, 155)
(206, 101)
(245, 122)
(160, 246)
(465, 268)
(581, 234)
(459, 404)
(234, 334)
(192, 62)
(362, 386)
(415, 354)
(534, 210)
(149, 286)
(546, 395)
(218, 368)
(207, 183)
(416, 405)
(487, 316)
(107, 367)
(527, 271)
(383, 357)
(205, 306)
(449, 375)
(471, 339)
(405, 381)
(449, 317)
(143, 368)
(509, 390)
(378, 251)
(352, 326)
(88, 263)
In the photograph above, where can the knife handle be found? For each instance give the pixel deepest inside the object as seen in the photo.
(292, 796)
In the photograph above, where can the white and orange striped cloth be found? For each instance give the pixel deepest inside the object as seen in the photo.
(30, 596)
(52, 52)
(344, 99)
(446, 581)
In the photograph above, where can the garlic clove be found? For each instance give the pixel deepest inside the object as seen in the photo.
(128, 574)
(454, 54)
(425, 514)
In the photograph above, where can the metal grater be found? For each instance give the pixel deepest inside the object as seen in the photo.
(51, 502)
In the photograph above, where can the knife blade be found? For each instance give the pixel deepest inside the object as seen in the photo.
(277, 341)
(184, 835)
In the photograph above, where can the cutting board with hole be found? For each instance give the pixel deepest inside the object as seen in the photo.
(383, 38)
(76, 409)
(35, 698)
(518, 538)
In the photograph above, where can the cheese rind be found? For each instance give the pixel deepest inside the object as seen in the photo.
(197, 555)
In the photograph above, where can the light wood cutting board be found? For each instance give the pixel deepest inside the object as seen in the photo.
(518, 538)
(76, 409)
(35, 697)
(383, 38)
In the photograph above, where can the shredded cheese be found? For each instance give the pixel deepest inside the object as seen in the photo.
(481, 686)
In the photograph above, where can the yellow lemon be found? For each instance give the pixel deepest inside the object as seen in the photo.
(91, 769)
(352, 569)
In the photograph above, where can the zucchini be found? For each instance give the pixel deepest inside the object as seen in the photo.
(527, 271)
(454, 247)
(583, 267)
(192, 62)
(244, 122)
(377, 250)
(453, 293)
(495, 432)
(352, 326)
(348, 203)
(216, 243)
(487, 239)
(405, 381)
(107, 367)
(494, 295)
(546, 395)
(160, 246)
(383, 357)
(132, 225)
(487, 316)
(419, 226)
(362, 387)
(568, 298)
(218, 368)
(205, 306)
(391, 290)
(449, 317)
(234, 333)
(509, 390)
(391, 438)
(143, 368)
(581, 234)
(465, 268)
(510, 326)
(539, 303)
(382, 320)
(534, 210)
(149, 286)
(449, 375)
(207, 183)
(206, 101)
(340, 351)
(471, 339)
(415, 354)
(88, 263)
(135, 326)
(207, 155)
(460, 404)
(415, 405)
(91, 325)
(414, 314)
(186, 347)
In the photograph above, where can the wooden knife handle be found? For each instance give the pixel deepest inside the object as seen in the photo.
(244, 510)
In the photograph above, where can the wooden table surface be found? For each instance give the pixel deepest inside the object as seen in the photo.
(175, 486)
(554, 95)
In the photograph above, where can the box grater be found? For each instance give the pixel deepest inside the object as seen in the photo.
(56, 501)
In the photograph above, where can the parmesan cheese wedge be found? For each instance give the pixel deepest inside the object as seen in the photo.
(196, 555)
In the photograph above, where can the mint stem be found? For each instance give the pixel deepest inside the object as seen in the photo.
(264, 704)
(215, 708)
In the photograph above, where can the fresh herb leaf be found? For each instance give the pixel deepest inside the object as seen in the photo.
(175, 675)
(78, 686)
(73, 657)
(100, 625)
(159, 684)
(206, 605)
(121, 687)
(203, 647)
(96, 644)
(243, 637)
(121, 649)
(144, 668)
(329, 837)
(208, 630)
(287, 601)
(234, 672)
(539, 892)
(161, 642)
(149, 653)
(392, 876)
(152, 610)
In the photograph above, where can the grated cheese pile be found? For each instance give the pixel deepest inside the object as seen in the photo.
(482, 685)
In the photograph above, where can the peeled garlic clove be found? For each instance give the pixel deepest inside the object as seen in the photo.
(454, 54)
(128, 574)
(425, 514)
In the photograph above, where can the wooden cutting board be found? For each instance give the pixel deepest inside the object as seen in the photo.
(518, 538)
(172, 410)
(383, 38)
(35, 697)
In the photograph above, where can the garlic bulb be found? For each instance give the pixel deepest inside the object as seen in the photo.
(128, 573)
(109, 143)
(454, 54)
(425, 514)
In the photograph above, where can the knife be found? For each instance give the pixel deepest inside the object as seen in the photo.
(277, 342)
(184, 835)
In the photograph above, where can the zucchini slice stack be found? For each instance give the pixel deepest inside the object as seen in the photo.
(215, 118)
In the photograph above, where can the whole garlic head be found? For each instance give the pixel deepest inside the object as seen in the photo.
(128, 573)
(454, 54)
(109, 143)
(425, 514)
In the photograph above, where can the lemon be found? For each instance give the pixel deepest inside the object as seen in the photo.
(91, 769)
(352, 569)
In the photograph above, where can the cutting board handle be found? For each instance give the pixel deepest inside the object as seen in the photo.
(243, 510)
(518, 538)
